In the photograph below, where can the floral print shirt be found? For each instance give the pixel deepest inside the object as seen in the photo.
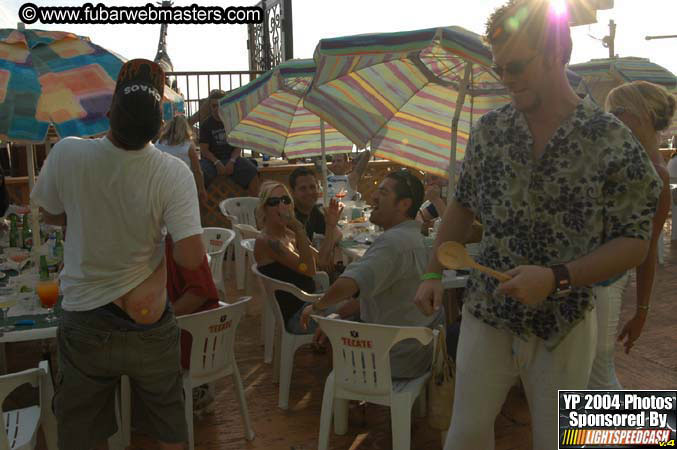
(593, 183)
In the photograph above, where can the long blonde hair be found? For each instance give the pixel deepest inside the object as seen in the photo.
(265, 192)
(651, 103)
(177, 131)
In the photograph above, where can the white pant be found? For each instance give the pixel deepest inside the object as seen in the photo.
(489, 362)
(608, 307)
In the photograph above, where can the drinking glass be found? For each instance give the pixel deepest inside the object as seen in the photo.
(4, 307)
(48, 291)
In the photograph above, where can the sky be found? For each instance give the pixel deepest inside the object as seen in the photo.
(224, 47)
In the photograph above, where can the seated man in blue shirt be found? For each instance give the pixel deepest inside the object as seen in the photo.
(385, 279)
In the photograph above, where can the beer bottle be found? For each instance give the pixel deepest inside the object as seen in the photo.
(13, 232)
(26, 234)
(44, 270)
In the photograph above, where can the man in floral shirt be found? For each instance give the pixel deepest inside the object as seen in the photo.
(566, 195)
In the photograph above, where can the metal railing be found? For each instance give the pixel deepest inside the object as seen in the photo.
(195, 86)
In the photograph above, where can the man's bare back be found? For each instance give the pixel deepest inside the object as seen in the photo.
(146, 303)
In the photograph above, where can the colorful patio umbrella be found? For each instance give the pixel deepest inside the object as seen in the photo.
(60, 79)
(57, 78)
(413, 95)
(267, 115)
(602, 75)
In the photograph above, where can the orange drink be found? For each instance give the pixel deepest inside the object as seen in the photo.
(48, 291)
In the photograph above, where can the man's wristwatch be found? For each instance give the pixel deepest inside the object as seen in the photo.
(562, 280)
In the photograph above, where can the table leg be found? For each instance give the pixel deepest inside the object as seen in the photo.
(3, 359)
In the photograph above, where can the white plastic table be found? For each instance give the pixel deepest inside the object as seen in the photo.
(22, 334)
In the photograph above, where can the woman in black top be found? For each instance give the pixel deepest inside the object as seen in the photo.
(282, 251)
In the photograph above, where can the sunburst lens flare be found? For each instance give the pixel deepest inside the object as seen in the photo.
(558, 8)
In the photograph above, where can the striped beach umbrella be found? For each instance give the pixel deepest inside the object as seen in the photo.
(267, 115)
(60, 79)
(413, 96)
(602, 75)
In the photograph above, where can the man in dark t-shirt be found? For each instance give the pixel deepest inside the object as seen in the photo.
(221, 158)
(304, 190)
(303, 184)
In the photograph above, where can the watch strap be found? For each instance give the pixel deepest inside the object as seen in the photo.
(562, 278)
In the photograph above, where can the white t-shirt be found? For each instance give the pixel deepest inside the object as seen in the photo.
(119, 205)
(180, 151)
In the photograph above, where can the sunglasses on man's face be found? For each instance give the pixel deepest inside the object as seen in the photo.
(513, 68)
(274, 201)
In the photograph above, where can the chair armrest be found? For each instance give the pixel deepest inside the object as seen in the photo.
(306, 297)
(422, 334)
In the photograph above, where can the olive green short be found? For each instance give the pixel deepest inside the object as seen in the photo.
(93, 354)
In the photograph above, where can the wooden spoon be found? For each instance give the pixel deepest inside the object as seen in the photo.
(453, 255)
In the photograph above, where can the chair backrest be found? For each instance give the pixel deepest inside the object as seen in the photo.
(36, 377)
(213, 332)
(246, 231)
(216, 241)
(240, 210)
(361, 352)
(272, 285)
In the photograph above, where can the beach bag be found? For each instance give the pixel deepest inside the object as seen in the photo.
(441, 385)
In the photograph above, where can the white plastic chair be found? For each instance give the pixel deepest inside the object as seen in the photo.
(248, 245)
(239, 210)
(212, 356)
(19, 427)
(246, 231)
(268, 320)
(288, 343)
(248, 234)
(216, 241)
(362, 372)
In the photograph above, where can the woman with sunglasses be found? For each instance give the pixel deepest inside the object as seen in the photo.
(646, 109)
(282, 250)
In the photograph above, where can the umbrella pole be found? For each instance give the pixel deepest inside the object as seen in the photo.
(460, 100)
(35, 222)
(325, 188)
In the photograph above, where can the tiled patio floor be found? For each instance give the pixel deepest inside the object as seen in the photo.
(651, 364)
